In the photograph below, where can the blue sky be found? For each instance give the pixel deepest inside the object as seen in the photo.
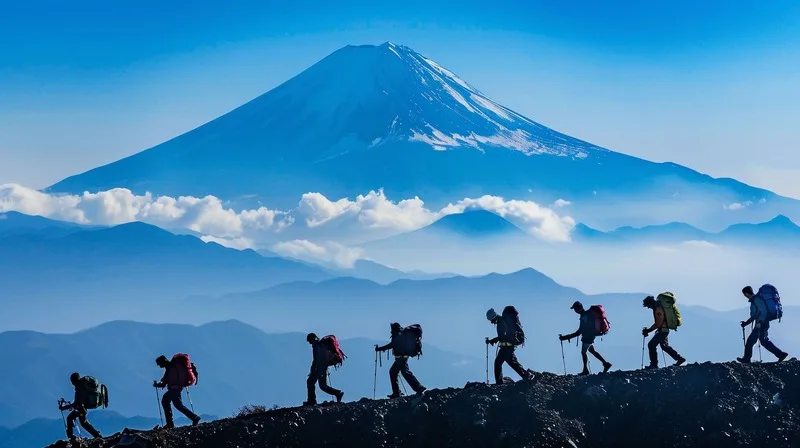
(712, 85)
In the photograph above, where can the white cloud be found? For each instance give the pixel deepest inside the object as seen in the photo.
(737, 205)
(328, 252)
(561, 203)
(316, 218)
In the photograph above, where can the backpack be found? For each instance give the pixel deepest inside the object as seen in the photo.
(92, 394)
(511, 330)
(672, 316)
(409, 341)
(601, 323)
(182, 371)
(333, 354)
(770, 304)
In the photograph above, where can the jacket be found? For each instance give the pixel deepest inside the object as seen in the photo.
(660, 318)
(390, 345)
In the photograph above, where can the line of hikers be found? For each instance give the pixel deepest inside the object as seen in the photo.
(406, 343)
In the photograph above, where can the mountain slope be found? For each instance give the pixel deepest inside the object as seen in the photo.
(237, 363)
(706, 405)
(110, 269)
(367, 117)
(15, 223)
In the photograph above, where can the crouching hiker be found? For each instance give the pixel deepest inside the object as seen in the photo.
(406, 343)
(179, 372)
(89, 394)
(509, 336)
(325, 353)
(593, 323)
(666, 317)
(764, 307)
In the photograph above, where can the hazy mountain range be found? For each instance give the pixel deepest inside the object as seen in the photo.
(367, 117)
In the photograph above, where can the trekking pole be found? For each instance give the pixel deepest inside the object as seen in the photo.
(752, 328)
(403, 383)
(375, 375)
(61, 403)
(563, 359)
(190, 399)
(158, 405)
(663, 358)
(744, 343)
(644, 338)
(487, 360)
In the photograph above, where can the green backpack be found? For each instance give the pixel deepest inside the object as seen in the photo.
(93, 394)
(671, 314)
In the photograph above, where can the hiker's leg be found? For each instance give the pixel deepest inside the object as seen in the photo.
(71, 423)
(584, 348)
(323, 384)
(166, 402)
(653, 345)
(668, 349)
(596, 355)
(513, 362)
(748, 346)
(394, 375)
(88, 426)
(177, 401)
(311, 386)
(763, 336)
(498, 365)
(409, 376)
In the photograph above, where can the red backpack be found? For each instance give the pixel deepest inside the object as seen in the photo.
(182, 371)
(334, 355)
(601, 324)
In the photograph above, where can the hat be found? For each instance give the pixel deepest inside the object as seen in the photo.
(491, 314)
(395, 326)
(311, 337)
(576, 305)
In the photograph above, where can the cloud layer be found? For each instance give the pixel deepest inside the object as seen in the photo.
(316, 223)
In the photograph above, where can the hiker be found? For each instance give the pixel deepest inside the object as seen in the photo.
(323, 357)
(405, 343)
(509, 335)
(587, 330)
(178, 373)
(88, 395)
(661, 327)
(764, 307)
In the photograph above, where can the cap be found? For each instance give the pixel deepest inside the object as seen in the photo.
(491, 314)
(576, 305)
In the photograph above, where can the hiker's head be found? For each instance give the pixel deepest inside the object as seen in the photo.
(577, 306)
(395, 327)
(162, 361)
(748, 292)
(491, 315)
(74, 378)
(649, 302)
(311, 338)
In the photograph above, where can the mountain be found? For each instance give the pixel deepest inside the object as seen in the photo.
(706, 405)
(15, 223)
(238, 365)
(780, 232)
(43, 431)
(378, 273)
(367, 117)
(474, 224)
(113, 268)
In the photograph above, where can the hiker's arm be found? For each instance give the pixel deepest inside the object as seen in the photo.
(748, 321)
(571, 335)
(494, 340)
(384, 348)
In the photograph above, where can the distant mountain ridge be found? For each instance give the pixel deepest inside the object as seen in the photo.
(368, 117)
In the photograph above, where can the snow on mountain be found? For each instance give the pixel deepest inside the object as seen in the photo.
(369, 117)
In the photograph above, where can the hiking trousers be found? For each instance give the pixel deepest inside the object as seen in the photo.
(319, 375)
(760, 333)
(661, 339)
(507, 355)
(173, 397)
(401, 366)
(80, 414)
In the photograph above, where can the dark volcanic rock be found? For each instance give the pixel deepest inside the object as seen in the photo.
(708, 405)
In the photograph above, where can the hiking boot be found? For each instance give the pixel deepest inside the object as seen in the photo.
(584, 373)
(782, 357)
(169, 425)
(680, 361)
(606, 367)
(422, 390)
(743, 361)
(339, 397)
(651, 367)
(310, 403)
(196, 420)
(395, 395)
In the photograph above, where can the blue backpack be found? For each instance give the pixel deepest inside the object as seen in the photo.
(768, 303)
